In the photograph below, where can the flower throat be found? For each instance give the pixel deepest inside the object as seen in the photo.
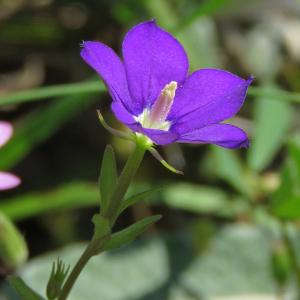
(155, 118)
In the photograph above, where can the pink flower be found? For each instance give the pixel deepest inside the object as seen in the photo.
(7, 180)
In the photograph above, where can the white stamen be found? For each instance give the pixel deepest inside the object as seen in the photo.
(156, 117)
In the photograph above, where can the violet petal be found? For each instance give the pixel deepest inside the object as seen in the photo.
(208, 96)
(6, 131)
(122, 114)
(110, 67)
(8, 181)
(152, 58)
(224, 135)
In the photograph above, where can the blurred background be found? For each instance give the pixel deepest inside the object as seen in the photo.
(230, 226)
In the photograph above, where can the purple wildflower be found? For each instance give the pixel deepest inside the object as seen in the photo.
(7, 180)
(154, 97)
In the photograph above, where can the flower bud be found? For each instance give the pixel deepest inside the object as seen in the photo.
(13, 248)
(56, 280)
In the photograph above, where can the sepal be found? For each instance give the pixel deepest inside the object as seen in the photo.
(160, 159)
(118, 133)
(128, 234)
(108, 177)
(23, 289)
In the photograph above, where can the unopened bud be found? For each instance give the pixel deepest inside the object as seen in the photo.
(13, 248)
(56, 280)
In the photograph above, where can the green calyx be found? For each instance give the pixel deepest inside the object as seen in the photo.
(140, 140)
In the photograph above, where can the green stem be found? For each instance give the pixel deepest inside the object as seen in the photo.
(85, 257)
(98, 242)
(124, 181)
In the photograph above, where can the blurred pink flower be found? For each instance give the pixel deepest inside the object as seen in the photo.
(7, 180)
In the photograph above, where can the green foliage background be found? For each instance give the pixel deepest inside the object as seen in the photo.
(229, 224)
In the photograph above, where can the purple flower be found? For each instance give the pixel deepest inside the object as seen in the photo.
(154, 97)
(7, 180)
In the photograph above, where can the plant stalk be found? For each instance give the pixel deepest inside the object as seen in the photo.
(85, 257)
(97, 243)
(124, 182)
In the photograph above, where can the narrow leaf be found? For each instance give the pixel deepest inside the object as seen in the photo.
(64, 197)
(272, 93)
(24, 290)
(227, 164)
(207, 8)
(160, 159)
(195, 198)
(94, 86)
(127, 235)
(134, 199)
(53, 91)
(40, 126)
(286, 201)
(272, 118)
(108, 176)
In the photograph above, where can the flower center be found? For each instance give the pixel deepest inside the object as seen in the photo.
(156, 117)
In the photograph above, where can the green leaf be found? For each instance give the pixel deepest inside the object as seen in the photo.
(273, 93)
(272, 119)
(285, 203)
(195, 198)
(40, 126)
(207, 8)
(68, 196)
(235, 264)
(53, 91)
(227, 164)
(108, 176)
(130, 233)
(64, 197)
(120, 275)
(24, 290)
(96, 86)
(134, 199)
